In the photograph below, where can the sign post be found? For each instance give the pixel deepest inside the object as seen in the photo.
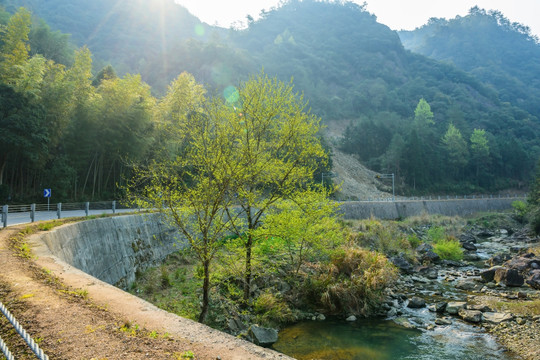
(47, 193)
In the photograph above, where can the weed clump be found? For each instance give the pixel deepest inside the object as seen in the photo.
(353, 282)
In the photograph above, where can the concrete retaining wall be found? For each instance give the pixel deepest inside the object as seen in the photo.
(403, 209)
(113, 249)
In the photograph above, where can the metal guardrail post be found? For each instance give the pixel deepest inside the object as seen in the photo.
(86, 208)
(4, 215)
(59, 210)
(114, 207)
(32, 212)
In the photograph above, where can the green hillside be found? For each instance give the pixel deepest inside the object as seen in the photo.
(439, 128)
(489, 46)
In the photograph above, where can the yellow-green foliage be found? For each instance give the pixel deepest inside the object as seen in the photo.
(448, 249)
(386, 237)
(444, 245)
(271, 310)
(354, 281)
(306, 227)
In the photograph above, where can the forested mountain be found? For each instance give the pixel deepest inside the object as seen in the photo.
(135, 36)
(437, 127)
(489, 46)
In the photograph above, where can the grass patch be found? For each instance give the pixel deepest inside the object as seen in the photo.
(529, 307)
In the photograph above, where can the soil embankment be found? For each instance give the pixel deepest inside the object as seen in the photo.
(76, 316)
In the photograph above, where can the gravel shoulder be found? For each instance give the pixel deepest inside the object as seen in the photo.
(76, 316)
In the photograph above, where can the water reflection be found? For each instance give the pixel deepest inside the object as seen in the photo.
(373, 339)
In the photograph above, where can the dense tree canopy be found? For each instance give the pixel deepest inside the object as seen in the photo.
(406, 114)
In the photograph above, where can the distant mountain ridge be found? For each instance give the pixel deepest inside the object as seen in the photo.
(486, 44)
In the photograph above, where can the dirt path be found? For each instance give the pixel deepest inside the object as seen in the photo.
(75, 316)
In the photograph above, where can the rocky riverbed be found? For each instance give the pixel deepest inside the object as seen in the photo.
(496, 287)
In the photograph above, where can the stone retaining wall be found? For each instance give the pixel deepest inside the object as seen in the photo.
(403, 209)
(113, 249)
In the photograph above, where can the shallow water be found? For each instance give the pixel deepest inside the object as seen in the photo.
(376, 339)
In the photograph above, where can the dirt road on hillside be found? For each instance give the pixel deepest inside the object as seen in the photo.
(74, 316)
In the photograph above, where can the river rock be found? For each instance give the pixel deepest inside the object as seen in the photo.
(392, 312)
(489, 274)
(467, 285)
(509, 277)
(416, 303)
(402, 264)
(321, 317)
(351, 318)
(438, 307)
(262, 336)
(497, 317)
(482, 308)
(473, 316)
(534, 279)
(469, 246)
(454, 306)
(499, 259)
(467, 238)
(236, 325)
(402, 321)
(429, 272)
(443, 321)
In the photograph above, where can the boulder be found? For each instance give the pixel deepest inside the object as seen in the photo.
(469, 246)
(489, 274)
(416, 303)
(438, 307)
(454, 306)
(508, 277)
(429, 272)
(473, 316)
(404, 322)
(499, 259)
(467, 238)
(467, 285)
(402, 264)
(351, 318)
(496, 317)
(443, 321)
(236, 325)
(534, 279)
(262, 336)
(524, 262)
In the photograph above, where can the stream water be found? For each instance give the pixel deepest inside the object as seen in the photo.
(377, 339)
(383, 339)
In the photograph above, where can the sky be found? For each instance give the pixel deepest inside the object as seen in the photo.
(396, 14)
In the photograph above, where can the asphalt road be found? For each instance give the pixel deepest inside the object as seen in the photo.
(24, 217)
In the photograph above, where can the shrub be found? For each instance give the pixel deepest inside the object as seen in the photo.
(448, 249)
(520, 210)
(414, 241)
(353, 282)
(386, 238)
(436, 234)
(271, 309)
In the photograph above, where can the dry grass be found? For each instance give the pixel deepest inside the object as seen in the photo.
(528, 307)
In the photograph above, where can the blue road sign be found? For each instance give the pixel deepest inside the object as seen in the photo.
(47, 193)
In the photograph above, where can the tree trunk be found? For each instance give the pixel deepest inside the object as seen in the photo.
(247, 278)
(206, 289)
(3, 162)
